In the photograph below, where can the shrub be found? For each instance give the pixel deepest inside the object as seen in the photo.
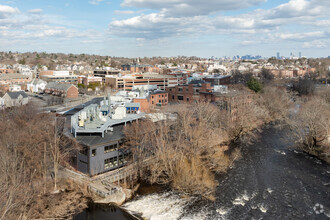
(254, 85)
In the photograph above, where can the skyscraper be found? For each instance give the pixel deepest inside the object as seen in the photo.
(278, 55)
(299, 54)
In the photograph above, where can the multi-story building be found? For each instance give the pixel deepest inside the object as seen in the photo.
(14, 78)
(154, 99)
(231, 101)
(217, 80)
(99, 129)
(58, 76)
(108, 71)
(129, 81)
(86, 80)
(188, 93)
(139, 68)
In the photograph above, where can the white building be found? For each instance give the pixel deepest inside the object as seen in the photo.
(36, 85)
(217, 66)
(15, 99)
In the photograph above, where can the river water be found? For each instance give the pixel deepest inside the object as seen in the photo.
(271, 181)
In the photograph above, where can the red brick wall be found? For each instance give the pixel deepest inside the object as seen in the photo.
(158, 98)
(72, 92)
(144, 105)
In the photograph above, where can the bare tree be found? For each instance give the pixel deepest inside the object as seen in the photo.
(311, 126)
(277, 102)
(174, 146)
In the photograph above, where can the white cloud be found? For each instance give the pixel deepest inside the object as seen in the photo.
(301, 36)
(266, 23)
(6, 10)
(95, 2)
(300, 8)
(21, 27)
(316, 44)
(181, 8)
(35, 11)
(127, 12)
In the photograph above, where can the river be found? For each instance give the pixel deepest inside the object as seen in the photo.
(270, 181)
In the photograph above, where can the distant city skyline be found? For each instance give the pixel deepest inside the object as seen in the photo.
(138, 28)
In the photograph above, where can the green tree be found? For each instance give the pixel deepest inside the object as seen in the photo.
(23, 62)
(254, 85)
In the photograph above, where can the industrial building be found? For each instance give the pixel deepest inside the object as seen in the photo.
(99, 128)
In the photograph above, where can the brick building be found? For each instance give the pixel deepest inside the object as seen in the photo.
(153, 100)
(7, 80)
(230, 101)
(64, 90)
(188, 93)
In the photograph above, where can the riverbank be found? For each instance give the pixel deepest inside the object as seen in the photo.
(272, 180)
(69, 199)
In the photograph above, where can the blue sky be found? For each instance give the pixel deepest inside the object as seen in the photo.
(138, 28)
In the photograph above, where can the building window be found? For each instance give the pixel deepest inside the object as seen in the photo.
(173, 97)
(180, 97)
(110, 148)
(187, 99)
(122, 160)
(110, 163)
(180, 89)
(84, 151)
(187, 89)
(159, 101)
(93, 152)
(152, 102)
(152, 96)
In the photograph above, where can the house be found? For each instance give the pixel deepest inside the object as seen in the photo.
(36, 85)
(61, 89)
(15, 99)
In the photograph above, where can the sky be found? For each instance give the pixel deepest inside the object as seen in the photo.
(146, 28)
